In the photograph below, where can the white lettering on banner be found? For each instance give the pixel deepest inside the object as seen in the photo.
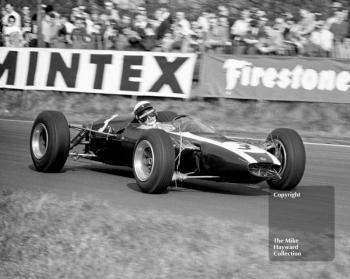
(242, 72)
(96, 71)
(327, 80)
(232, 74)
(343, 80)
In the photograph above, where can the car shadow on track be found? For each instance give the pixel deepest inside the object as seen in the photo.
(225, 188)
(213, 187)
(107, 169)
(185, 186)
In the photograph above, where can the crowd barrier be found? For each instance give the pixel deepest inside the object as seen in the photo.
(283, 78)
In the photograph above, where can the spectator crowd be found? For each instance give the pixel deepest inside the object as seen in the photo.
(248, 32)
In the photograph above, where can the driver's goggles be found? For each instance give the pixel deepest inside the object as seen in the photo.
(143, 118)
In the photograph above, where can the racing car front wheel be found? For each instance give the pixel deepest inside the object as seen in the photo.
(154, 161)
(49, 141)
(287, 146)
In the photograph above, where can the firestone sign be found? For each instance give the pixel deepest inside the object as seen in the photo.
(108, 72)
(296, 78)
(276, 78)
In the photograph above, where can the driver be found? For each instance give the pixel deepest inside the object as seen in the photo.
(145, 114)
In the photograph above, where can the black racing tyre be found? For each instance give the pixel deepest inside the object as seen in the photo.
(50, 141)
(166, 116)
(154, 161)
(288, 147)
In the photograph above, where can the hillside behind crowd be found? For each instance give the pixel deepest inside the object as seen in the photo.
(224, 28)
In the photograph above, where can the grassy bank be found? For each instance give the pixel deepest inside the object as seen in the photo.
(310, 119)
(43, 237)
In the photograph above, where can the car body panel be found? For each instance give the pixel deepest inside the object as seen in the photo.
(206, 153)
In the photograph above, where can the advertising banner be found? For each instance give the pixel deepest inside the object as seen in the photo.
(276, 78)
(98, 71)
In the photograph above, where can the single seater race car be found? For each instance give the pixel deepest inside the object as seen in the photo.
(178, 148)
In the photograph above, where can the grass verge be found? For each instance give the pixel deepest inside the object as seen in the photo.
(43, 237)
(317, 120)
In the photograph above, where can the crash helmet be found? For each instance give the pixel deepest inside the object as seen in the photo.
(145, 113)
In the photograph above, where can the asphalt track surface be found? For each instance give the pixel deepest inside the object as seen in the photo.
(327, 165)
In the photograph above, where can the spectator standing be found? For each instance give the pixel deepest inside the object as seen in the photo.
(26, 25)
(280, 24)
(110, 35)
(241, 26)
(335, 14)
(258, 24)
(321, 41)
(49, 29)
(223, 11)
(305, 27)
(218, 34)
(94, 30)
(124, 29)
(182, 32)
(33, 41)
(136, 35)
(80, 37)
(239, 30)
(345, 50)
(307, 22)
(10, 11)
(149, 39)
(13, 34)
(291, 37)
(111, 11)
(203, 26)
(69, 27)
(64, 32)
(75, 14)
(165, 24)
(157, 18)
(272, 41)
(223, 29)
(251, 38)
(26, 19)
(279, 29)
(299, 33)
(338, 25)
(140, 23)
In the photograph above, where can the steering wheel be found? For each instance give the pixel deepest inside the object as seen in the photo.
(178, 125)
(180, 116)
(176, 118)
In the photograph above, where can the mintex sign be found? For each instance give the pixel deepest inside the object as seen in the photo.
(93, 71)
(276, 78)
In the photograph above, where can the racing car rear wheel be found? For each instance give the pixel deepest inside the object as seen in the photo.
(288, 147)
(154, 161)
(166, 116)
(49, 141)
